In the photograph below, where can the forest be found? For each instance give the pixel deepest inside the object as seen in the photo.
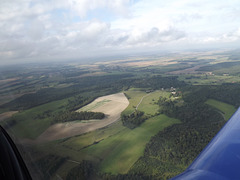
(134, 119)
(172, 150)
(53, 95)
(73, 116)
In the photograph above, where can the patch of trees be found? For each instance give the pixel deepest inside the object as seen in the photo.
(107, 84)
(49, 165)
(127, 96)
(85, 170)
(78, 101)
(88, 170)
(218, 66)
(134, 176)
(170, 151)
(227, 92)
(158, 82)
(133, 120)
(72, 116)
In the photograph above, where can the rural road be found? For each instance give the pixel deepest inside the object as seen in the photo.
(142, 100)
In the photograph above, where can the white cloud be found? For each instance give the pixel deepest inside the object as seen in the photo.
(57, 29)
(84, 6)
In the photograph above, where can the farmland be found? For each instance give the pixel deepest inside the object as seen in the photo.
(143, 101)
(125, 148)
(111, 106)
(118, 148)
(160, 112)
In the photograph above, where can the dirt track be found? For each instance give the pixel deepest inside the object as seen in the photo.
(112, 107)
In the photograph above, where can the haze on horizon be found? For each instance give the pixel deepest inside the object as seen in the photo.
(43, 30)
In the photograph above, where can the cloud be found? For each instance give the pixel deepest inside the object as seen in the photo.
(84, 6)
(231, 36)
(36, 30)
(154, 37)
(42, 29)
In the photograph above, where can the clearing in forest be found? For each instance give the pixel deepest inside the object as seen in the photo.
(146, 102)
(225, 108)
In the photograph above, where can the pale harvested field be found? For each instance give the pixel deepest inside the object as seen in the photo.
(111, 106)
(6, 115)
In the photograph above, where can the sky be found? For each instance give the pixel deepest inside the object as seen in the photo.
(52, 30)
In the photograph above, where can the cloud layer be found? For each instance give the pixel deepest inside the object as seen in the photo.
(43, 30)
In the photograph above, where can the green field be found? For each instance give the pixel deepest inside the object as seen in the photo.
(134, 96)
(148, 104)
(31, 123)
(117, 147)
(119, 152)
(225, 108)
(73, 147)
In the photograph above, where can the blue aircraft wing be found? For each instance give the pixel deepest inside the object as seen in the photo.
(220, 160)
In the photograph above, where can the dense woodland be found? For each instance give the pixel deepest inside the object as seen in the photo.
(158, 82)
(134, 119)
(73, 116)
(219, 66)
(53, 162)
(172, 150)
(169, 152)
(84, 171)
(106, 84)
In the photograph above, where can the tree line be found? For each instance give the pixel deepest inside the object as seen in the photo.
(134, 119)
(172, 150)
(67, 116)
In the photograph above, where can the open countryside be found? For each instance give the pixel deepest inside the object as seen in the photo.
(155, 122)
(111, 106)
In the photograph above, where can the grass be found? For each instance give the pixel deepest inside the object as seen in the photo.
(134, 96)
(147, 105)
(114, 148)
(64, 169)
(119, 152)
(79, 142)
(29, 125)
(118, 147)
(225, 108)
(73, 146)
